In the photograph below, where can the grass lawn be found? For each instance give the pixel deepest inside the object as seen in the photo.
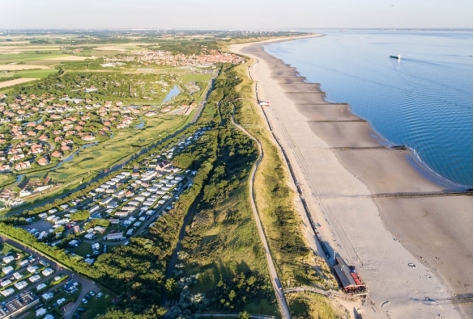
(84, 249)
(196, 77)
(6, 179)
(97, 306)
(35, 73)
(6, 247)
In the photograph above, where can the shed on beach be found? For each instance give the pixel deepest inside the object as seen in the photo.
(348, 278)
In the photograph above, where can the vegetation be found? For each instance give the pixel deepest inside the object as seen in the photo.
(221, 265)
(295, 263)
(222, 260)
(308, 305)
(80, 215)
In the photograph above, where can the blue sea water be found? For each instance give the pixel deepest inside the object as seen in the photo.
(423, 101)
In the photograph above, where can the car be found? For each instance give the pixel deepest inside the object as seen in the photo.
(100, 294)
(76, 315)
(85, 301)
(81, 309)
(92, 293)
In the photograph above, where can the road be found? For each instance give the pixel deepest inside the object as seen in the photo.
(87, 285)
(285, 311)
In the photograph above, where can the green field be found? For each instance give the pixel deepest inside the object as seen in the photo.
(35, 73)
(26, 57)
(196, 77)
(123, 144)
(6, 178)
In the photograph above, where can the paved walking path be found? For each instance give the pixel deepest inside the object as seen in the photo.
(285, 311)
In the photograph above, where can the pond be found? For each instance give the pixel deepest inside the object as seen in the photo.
(141, 125)
(171, 94)
(71, 157)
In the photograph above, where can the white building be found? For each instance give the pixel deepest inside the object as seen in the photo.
(7, 292)
(21, 285)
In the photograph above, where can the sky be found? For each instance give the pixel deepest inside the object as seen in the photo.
(235, 15)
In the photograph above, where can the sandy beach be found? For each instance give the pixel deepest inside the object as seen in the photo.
(375, 205)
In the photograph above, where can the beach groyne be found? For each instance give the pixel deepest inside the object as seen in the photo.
(361, 192)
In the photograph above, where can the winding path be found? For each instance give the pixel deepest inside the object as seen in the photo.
(285, 311)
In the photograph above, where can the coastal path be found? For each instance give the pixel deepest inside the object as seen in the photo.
(285, 311)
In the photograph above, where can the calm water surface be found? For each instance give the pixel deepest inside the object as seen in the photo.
(423, 101)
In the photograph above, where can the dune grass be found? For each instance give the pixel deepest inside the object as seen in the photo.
(308, 305)
(296, 264)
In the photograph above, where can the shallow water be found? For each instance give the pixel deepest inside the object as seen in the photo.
(423, 101)
(171, 94)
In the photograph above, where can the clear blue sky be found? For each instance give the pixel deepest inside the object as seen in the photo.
(237, 14)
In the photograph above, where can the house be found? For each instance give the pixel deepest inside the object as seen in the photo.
(46, 296)
(7, 292)
(43, 161)
(17, 275)
(48, 271)
(114, 236)
(32, 269)
(74, 243)
(8, 259)
(90, 236)
(40, 312)
(95, 246)
(99, 229)
(5, 283)
(24, 263)
(121, 214)
(41, 286)
(56, 154)
(35, 278)
(21, 285)
(88, 138)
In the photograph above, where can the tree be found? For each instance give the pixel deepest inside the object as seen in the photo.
(244, 315)
(80, 215)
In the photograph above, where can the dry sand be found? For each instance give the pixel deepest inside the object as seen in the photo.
(342, 167)
(17, 67)
(14, 82)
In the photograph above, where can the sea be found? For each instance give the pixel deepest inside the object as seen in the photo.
(423, 100)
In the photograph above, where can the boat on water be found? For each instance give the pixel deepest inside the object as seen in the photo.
(398, 57)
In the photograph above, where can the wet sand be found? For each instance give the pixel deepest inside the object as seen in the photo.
(357, 190)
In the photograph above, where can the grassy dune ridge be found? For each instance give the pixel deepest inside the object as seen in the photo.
(296, 264)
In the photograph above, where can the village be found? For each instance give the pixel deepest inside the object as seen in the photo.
(125, 205)
(161, 57)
